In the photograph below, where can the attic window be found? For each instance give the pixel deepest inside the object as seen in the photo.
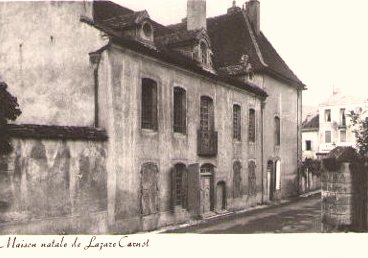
(203, 53)
(147, 30)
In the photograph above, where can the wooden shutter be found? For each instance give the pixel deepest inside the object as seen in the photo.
(173, 187)
(193, 190)
(185, 188)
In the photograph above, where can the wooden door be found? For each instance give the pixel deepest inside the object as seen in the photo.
(205, 194)
(220, 196)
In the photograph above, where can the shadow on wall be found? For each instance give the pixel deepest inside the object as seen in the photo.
(40, 186)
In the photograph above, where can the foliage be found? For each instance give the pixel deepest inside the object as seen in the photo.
(359, 126)
(313, 166)
(9, 110)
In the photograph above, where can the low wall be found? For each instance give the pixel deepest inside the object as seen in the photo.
(53, 182)
(344, 192)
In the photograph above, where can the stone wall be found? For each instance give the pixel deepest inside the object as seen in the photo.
(53, 186)
(344, 192)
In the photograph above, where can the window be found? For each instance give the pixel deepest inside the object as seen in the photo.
(180, 110)
(237, 179)
(149, 189)
(203, 53)
(327, 115)
(237, 122)
(328, 137)
(179, 180)
(252, 189)
(149, 104)
(308, 145)
(206, 114)
(342, 136)
(277, 131)
(252, 125)
(342, 117)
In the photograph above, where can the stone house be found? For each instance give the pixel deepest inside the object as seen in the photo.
(310, 136)
(129, 125)
(331, 127)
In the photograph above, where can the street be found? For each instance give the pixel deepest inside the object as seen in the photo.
(302, 215)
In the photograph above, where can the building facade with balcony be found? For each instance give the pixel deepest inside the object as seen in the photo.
(152, 125)
(333, 128)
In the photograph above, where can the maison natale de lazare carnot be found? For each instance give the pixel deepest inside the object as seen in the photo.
(128, 125)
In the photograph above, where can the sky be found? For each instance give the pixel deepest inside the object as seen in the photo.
(325, 42)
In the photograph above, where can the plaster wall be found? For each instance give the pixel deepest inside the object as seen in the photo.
(44, 60)
(120, 73)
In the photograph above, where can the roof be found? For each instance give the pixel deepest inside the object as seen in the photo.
(229, 45)
(344, 99)
(311, 124)
(110, 25)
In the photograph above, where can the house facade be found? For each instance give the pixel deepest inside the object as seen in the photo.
(310, 137)
(137, 125)
(331, 127)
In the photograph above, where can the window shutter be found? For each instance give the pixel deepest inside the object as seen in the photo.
(173, 188)
(193, 190)
(185, 188)
(154, 107)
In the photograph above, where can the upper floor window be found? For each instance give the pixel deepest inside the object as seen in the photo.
(328, 137)
(237, 122)
(342, 117)
(206, 114)
(277, 131)
(328, 115)
(308, 145)
(180, 110)
(252, 125)
(149, 104)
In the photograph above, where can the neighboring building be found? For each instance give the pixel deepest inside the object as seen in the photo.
(310, 137)
(129, 125)
(332, 127)
(334, 123)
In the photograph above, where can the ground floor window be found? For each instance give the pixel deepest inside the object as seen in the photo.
(179, 185)
(149, 188)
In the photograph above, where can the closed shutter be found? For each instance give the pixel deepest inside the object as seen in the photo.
(193, 190)
(173, 187)
(185, 189)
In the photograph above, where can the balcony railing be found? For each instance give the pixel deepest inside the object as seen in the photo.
(207, 143)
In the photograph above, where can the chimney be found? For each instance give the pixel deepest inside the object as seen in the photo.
(253, 13)
(196, 15)
(233, 9)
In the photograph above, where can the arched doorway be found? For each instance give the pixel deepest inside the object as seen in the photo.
(206, 192)
(221, 196)
(271, 179)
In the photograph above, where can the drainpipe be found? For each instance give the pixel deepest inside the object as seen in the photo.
(299, 138)
(95, 59)
(263, 103)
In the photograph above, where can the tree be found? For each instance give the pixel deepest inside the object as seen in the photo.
(359, 125)
(9, 110)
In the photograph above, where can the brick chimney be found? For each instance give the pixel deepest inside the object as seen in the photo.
(196, 14)
(253, 13)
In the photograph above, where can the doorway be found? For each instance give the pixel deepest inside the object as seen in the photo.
(221, 196)
(206, 194)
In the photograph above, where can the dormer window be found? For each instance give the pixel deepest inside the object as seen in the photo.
(203, 53)
(146, 31)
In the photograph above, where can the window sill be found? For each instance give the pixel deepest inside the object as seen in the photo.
(149, 131)
(180, 135)
(237, 142)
